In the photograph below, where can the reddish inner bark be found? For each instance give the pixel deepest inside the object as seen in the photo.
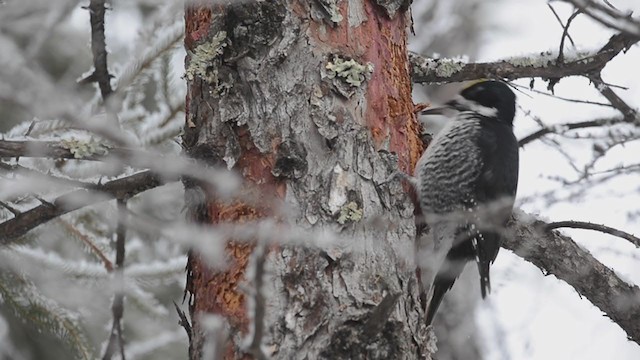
(389, 115)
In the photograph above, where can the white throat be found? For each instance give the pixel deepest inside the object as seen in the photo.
(475, 107)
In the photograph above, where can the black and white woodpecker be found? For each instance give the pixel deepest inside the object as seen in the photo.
(466, 184)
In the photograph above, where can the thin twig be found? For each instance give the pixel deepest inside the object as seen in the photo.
(597, 227)
(108, 265)
(184, 322)
(99, 48)
(630, 115)
(558, 147)
(565, 32)
(609, 16)
(116, 340)
(587, 102)
(567, 127)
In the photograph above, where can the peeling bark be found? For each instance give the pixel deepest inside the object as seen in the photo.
(264, 100)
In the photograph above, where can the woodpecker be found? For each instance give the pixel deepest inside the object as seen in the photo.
(466, 183)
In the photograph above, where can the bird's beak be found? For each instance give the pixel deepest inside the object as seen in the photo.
(446, 109)
(435, 111)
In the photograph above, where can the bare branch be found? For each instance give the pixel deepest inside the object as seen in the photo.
(549, 250)
(565, 32)
(597, 227)
(425, 70)
(184, 322)
(609, 16)
(129, 186)
(630, 115)
(99, 48)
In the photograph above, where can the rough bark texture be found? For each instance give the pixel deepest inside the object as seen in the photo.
(273, 95)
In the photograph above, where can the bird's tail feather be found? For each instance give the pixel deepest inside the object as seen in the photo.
(441, 284)
(487, 250)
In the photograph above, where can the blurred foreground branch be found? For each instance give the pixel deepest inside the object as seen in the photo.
(125, 187)
(559, 255)
(116, 340)
(58, 150)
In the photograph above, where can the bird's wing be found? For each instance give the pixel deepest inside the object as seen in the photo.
(495, 191)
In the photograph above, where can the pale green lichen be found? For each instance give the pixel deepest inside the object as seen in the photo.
(350, 71)
(350, 212)
(201, 58)
(334, 11)
(84, 148)
(444, 67)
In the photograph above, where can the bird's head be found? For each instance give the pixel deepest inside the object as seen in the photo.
(486, 97)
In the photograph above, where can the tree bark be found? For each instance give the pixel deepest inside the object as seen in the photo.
(307, 100)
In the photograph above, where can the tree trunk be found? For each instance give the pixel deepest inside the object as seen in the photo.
(308, 101)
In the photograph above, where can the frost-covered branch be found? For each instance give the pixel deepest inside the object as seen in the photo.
(129, 186)
(545, 65)
(609, 16)
(93, 150)
(78, 150)
(559, 255)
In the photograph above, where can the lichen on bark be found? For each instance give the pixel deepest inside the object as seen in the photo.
(285, 130)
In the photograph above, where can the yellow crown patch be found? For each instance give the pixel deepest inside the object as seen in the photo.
(473, 82)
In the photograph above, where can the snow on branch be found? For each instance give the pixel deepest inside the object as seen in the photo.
(559, 255)
(544, 65)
